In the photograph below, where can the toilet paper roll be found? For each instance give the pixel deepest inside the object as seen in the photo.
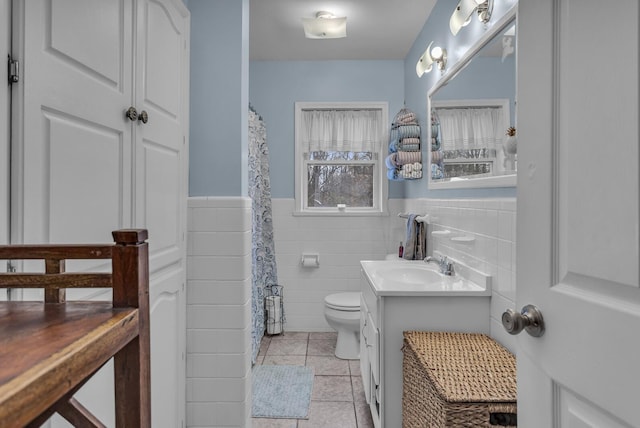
(310, 260)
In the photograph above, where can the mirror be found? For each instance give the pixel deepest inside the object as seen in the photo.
(472, 111)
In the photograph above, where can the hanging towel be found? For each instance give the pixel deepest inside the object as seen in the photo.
(415, 247)
(410, 240)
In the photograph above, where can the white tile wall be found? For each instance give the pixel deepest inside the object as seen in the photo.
(492, 224)
(219, 312)
(341, 242)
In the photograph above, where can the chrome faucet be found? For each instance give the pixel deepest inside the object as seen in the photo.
(446, 267)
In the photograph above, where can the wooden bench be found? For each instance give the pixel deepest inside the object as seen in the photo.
(50, 349)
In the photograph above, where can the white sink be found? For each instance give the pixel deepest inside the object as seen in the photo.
(417, 278)
(410, 273)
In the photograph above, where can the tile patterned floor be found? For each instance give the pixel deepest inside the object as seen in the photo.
(337, 399)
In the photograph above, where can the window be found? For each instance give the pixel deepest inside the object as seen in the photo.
(471, 133)
(339, 150)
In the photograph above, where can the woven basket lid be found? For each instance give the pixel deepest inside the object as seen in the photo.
(465, 367)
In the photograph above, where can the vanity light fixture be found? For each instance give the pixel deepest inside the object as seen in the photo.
(463, 12)
(425, 63)
(325, 26)
(439, 55)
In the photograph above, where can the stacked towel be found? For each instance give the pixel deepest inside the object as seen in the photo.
(437, 156)
(411, 170)
(406, 118)
(409, 144)
(394, 174)
(408, 131)
(405, 157)
(410, 147)
(391, 161)
(436, 172)
(408, 157)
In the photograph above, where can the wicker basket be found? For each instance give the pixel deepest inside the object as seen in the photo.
(457, 380)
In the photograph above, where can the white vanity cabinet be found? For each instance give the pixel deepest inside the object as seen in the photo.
(385, 314)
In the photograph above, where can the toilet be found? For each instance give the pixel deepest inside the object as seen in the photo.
(342, 311)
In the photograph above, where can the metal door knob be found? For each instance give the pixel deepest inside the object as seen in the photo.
(131, 114)
(143, 117)
(529, 319)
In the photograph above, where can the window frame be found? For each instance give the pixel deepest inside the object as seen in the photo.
(380, 184)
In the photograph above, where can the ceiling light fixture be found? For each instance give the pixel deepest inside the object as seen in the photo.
(425, 63)
(325, 26)
(462, 14)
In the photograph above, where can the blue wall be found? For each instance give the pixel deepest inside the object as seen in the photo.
(486, 77)
(436, 29)
(219, 97)
(223, 82)
(274, 87)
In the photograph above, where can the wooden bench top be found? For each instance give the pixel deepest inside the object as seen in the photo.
(50, 349)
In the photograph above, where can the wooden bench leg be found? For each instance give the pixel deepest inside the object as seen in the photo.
(132, 373)
(132, 363)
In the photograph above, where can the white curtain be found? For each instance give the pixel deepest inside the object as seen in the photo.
(471, 128)
(342, 130)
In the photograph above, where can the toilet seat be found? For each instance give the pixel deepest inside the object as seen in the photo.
(349, 302)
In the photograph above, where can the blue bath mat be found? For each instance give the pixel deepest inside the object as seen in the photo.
(281, 391)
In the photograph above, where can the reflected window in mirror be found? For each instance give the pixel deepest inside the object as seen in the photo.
(471, 111)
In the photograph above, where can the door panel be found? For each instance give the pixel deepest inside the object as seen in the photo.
(578, 213)
(162, 210)
(577, 413)
(75, 150)
(102, 24)
(165, 53)
(79, 149)
(161, 192)
(166, 360)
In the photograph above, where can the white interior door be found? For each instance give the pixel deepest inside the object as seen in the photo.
(578, 212)
(72, 146)
(161, 192)
(82, 169)
(71, 141)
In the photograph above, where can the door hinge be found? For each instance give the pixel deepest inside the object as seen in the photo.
(10, 268)
(14, 71)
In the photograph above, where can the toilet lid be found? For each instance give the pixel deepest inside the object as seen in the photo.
(343, 301)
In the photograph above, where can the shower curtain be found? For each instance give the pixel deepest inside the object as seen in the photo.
(264, 273)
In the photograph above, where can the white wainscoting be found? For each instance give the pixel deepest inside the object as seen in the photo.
(219, 312)
(491, 223)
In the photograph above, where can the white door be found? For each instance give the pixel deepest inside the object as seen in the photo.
(160, 196)
(578, 212)
(72, 143)
(82, 169)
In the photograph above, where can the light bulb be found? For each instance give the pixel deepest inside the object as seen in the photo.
(436, 53)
